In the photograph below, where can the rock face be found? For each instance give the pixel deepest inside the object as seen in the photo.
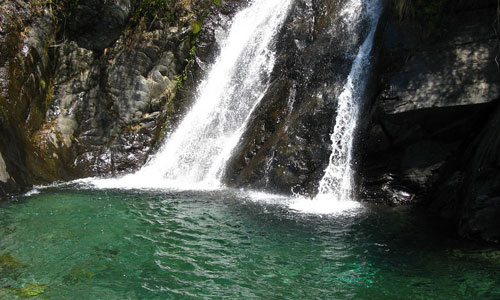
(85, 90)
(107, 107)
(96, 25)
(434, 131)
(287, 146)
(25, 76)
(110, 102)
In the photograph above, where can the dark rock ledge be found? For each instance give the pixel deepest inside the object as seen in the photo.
(434, 134)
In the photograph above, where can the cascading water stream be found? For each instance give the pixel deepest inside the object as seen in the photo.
(335, 193)
(195, 154)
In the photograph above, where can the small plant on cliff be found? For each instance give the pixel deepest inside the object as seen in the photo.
(181, 78)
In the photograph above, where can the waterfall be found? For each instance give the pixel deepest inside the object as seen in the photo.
(335, 191)
(195, 154)
(337, 183)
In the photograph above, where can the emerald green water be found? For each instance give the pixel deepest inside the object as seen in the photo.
(81, 244)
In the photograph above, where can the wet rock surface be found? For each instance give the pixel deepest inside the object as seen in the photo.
(287, 146)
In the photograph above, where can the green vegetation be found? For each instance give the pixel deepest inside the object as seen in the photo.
(60, 9)
(179, 79)
(174, 12)
(151, 10)
(196, 26)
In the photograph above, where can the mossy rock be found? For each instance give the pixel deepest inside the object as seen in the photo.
(9, 267)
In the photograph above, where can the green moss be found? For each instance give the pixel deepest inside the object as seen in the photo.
(48, 96)
(485, 256)
(30, 290)
(218, 2)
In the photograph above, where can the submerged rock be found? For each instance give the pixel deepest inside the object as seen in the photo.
(7, 261)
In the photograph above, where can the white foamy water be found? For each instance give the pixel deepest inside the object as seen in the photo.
(195, 154)
(303, 205)
(322, 205)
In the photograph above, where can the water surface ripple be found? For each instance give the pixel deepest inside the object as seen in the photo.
(106, 244)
